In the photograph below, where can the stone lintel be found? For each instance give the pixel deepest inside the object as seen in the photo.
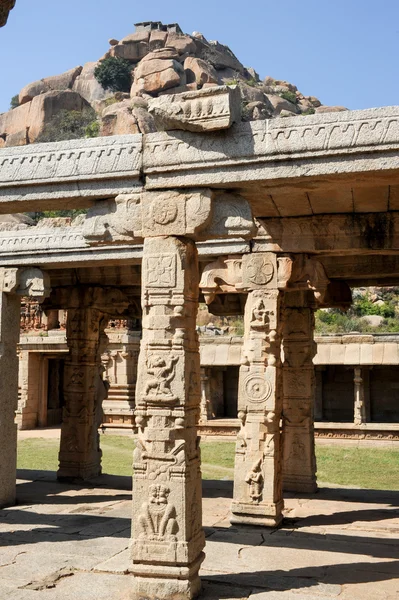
(46, 175)
(344, 143)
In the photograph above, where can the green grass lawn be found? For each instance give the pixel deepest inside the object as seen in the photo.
(373, 468)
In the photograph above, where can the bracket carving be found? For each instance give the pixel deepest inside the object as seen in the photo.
(31, 282)
(199, 214)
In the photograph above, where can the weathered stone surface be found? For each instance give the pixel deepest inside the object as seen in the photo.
(89, 309)
(299, 460)
(167, 520)
(181, 43)
(65, 81)
(30, 119)
(157, 39)
(175, 213)
(133, 47)
(330, 109)
(204, 110)
(118, 119)
(319, 139)
(161, 54)
(280, 104)
(218, 55)
(257, 496)
(199, 71)
(116, 220)
(156, 75)
(92, 162)
(88, 87)
(145, 121)
(13, 284)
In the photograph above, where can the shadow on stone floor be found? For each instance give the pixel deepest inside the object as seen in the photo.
(297, 579)
(362, 495)
(343, 518)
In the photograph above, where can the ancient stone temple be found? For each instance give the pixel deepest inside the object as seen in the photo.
(269, 219)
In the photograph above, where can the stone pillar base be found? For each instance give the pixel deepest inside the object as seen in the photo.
(296, 483)
(152, 582)
(269, 515)
(73, 470)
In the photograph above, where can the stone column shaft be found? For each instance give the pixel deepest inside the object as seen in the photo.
(9, 338)
(167, 516)
(360, 416)
(206, 401)
(80, 454)
(257, 496)
(299, 460)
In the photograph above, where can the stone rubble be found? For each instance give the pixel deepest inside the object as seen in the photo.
(164, 61)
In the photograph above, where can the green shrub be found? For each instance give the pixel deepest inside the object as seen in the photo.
(92, 129)
(114, 74)
(14, 102)
(309, 111)
(289, 96)
(46, 214)
(69, 125)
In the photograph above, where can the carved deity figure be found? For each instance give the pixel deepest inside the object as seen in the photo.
(255, 481)
(157, 520)
(162, 372)
(260, 316)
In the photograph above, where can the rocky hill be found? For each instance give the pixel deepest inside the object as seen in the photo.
(160, 61)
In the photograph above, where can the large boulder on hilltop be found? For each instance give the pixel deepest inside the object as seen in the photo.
(28, 121)
(184, 44)
(88, 87)
(65, 81)
(157, 74)
(279, 104)
(133, 47)
(218, 55)
(199, 71)
(117, 119)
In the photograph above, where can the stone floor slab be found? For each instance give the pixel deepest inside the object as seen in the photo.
(338, 544)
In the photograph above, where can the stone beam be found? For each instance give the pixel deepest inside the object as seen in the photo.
(359, 269)
(43, 176)
(330, 146)
(278, 149)
(330, 234)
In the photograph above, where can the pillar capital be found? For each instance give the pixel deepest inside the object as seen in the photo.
(195, 213)
(31, 282)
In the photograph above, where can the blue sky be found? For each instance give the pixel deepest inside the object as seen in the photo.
(342, 51)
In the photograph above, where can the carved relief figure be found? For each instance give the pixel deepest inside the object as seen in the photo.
(255, 481)
(162, 372)
(158, 518)
(260, 316)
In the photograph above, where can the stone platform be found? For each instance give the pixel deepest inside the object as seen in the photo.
(63, 542)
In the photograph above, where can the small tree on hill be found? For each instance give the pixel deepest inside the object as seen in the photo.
(114, 74)
(14, 102)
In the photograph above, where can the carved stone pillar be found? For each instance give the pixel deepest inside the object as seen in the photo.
(206, 402)
(13, 284)
(89, 309)
(299, 460)
(360, 416)
(318, 405)
(84, 391)
(9, 337)
(167, 525)
(257, 477)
